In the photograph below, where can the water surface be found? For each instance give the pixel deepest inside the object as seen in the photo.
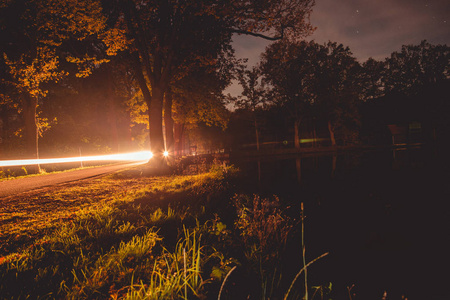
(383, 216)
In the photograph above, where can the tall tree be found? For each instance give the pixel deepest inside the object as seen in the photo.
(198, 100)
(168, 36)
(290, 69)
(318, 82)
(254, 95)
(338, 91)
(39, 37)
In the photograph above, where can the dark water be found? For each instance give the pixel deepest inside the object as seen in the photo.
(383, 216)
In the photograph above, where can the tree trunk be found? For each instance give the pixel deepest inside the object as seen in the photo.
(296, 134)
(314, 133)
(178, 133)
(168, 122)
(256, 134)
(29, 107)
(333, 165)
(155, 122)
(298, 167)
(331, 130)
(129, 137)
(112, 116)
(3, 131)
(111, 101)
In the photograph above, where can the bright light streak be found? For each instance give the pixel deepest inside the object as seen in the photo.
(133, 156)
(166, 153)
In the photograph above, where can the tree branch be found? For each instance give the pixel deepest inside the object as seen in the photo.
(141, 79)
(260, 35)
(131, 16)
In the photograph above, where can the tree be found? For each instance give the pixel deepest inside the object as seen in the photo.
(194, 99)
(315, 82)
(170, 36)
(372, 77)
(290, 68)
(254, 95)
(41, 36)
(198, 100)
(338, 91)
(416, 66)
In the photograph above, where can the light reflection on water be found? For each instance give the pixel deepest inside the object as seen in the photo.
(383, 215)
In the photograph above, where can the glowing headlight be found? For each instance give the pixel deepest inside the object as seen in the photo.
(166, 153)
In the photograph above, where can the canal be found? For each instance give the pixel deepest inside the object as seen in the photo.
(383, 216)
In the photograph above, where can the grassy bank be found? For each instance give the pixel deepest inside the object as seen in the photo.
(132, 235)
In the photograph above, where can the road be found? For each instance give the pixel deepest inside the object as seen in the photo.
(14, 187)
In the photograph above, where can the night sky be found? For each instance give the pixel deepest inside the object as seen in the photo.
(371, 28)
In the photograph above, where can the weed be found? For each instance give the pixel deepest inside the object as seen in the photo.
(264, 230)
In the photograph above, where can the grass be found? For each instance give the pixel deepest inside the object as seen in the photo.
(174, 274)
(22, 172)
(131, 235)
(83, 240)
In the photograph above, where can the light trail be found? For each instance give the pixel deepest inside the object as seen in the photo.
(133, 156)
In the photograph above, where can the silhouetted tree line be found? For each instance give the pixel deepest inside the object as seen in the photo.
(305, 94)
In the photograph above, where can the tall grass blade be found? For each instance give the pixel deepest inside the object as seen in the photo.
(225, 280)
(185, 277)
(300, 272)
(304, 251)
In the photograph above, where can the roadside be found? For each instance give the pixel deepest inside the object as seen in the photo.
(66, 237)
(137, 235)
(15, 186)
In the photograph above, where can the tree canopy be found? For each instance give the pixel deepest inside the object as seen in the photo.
(40, 39)
(314, 81)
(170, 37)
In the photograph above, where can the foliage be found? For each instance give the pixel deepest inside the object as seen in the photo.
(172, 40)
(254, 92)
(176, 274)
(261, 223)
(416, 66)
(254, 96)
(40, 38)
(372, 76)
(95, 244)
(136, 236)
(339, 92)
(49, 25)
(316, 83)
(264, 230)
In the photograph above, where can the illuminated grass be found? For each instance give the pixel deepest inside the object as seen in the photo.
(9, 175)
(39, 212)
(93, 239)
(134, 236)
